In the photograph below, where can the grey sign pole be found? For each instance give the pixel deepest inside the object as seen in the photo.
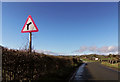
(30, 42)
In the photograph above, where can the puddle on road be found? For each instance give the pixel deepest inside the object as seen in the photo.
(79, 73)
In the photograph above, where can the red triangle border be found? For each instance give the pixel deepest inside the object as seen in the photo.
(26, 23)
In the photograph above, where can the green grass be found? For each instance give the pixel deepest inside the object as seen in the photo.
(87, 60)
(116, 65)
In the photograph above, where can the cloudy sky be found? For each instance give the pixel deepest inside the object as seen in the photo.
(64, 28)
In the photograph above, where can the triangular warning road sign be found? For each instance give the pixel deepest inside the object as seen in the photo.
(29, 25)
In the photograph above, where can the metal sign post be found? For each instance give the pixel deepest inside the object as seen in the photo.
(30, 27)
(30, 42)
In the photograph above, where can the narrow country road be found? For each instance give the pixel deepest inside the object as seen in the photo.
(95, 71)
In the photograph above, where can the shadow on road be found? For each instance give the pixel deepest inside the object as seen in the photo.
(95, 72)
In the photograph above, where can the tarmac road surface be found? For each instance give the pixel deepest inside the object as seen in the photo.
(95, 71)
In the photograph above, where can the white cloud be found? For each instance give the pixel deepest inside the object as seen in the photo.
(108, 49)
(92, 48)
(103, 50)
(82, 49)
(98, 50)
(48, 52)
(113, 48)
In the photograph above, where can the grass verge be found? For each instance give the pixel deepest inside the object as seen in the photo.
(114, 66)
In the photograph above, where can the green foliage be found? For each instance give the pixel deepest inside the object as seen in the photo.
(116, 65)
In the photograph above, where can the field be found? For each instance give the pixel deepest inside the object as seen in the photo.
(88, 60)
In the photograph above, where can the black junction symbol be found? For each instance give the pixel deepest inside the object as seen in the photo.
(28, 25)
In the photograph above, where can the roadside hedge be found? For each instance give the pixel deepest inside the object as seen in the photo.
(20, 65)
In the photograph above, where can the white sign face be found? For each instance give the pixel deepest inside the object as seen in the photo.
(29, 25)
